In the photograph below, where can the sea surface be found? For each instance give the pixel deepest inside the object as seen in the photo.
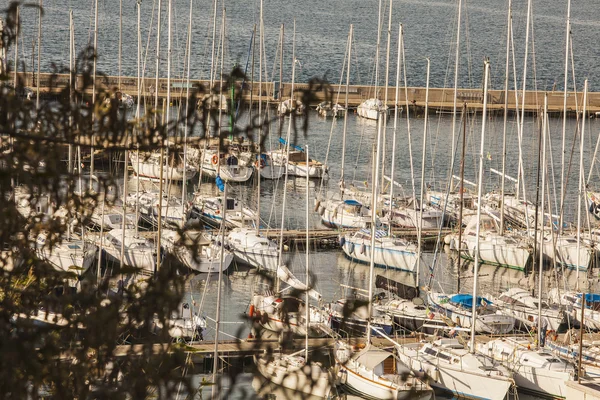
(321, 32)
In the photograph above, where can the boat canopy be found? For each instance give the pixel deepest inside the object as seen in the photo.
(293, 146)
(466, 300)
(352, 203)
(591, 297)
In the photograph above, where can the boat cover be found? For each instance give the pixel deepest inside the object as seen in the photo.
(372, 357)
(466, 300)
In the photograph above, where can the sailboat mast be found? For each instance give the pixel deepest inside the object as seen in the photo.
(396, 114)
(39, 50)
(385, 98)
(502, 189)
(214, 35)
(520, 175)
(137, 110)
(219, 284)
(71, 73)
(479, 195)
(377, 50)
(581, 172)
(120, 40)
(287, 156)
(424, 151)
(187, 100)
(344, 131)
(461, 192)
(157, 84)
(306, 307)
(541, 260)
(93, 86)
(17, 12)
(374, 191)
(455, 96)
(564, 126)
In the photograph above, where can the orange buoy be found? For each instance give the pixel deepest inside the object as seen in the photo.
(214, 159)
(251, 311)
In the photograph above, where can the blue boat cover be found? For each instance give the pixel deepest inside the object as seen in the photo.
(466, 300)
(352, 203)
(591, 297)
(293, 146)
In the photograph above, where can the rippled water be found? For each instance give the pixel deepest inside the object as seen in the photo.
(321, 32)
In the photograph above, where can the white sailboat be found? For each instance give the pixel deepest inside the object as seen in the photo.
(267, 168)
(295, 162)
(225, 165)
(138, 252)
(450, 367)
(390, 252)
(457, 309)
(288, 106)
(210, 210)
(68, 255)
(195, 251)
(251, 248)
(520, 304)
(537, 372)
(348, 213)
(328, 109)
(371, 109)
(148, 165)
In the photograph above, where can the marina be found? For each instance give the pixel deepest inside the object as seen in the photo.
(358, 201)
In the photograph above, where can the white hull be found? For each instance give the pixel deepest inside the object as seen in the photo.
(258, 259)
(297, 169)
(203, 263)
(69, 261)
(499, 251)
(272, 171)
(409, 218)
(395, 257)
(495, 324)
(335, 215)
(229, 173)
(292, 373)
(566, 253)
(462, 383)
(151, 170)
(145, 260)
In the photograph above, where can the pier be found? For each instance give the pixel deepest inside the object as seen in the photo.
(440, 99)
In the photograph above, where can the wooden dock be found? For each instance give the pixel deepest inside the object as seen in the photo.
(440, 99)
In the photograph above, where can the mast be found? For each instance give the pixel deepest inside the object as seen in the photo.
(377, 51)
(564, 126)
(344, 131)
(39, 50)
(137, 110)
(281, 34)
(580, 185)
(71, 39)
(385, 101)
(374, 190)
(479, 195)
(541, 260)
(93, 86)
(508, 31)
(306, 307)
(455, 97)
(120, 39)
(420, 226)
(187, 100)
(396, 112)
(212, 58)
(520, 175)
(218, 312)
(461, 191)
(17, 45)
(157, 84)
(287, 155)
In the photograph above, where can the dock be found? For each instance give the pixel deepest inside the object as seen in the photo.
(440, 99)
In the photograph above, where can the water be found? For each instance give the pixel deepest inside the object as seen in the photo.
(322, 29)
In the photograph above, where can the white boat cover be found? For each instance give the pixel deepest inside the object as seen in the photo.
(372, 357)
(286, 276)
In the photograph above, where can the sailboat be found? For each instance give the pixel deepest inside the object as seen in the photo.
(537, 372)
(210, 210)
(294, 371)
(195, 251)
(251, 248)
(148, 165)
(363, 370)
(68, 255)
(225, 165)
(295, 162)
(336, 211)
